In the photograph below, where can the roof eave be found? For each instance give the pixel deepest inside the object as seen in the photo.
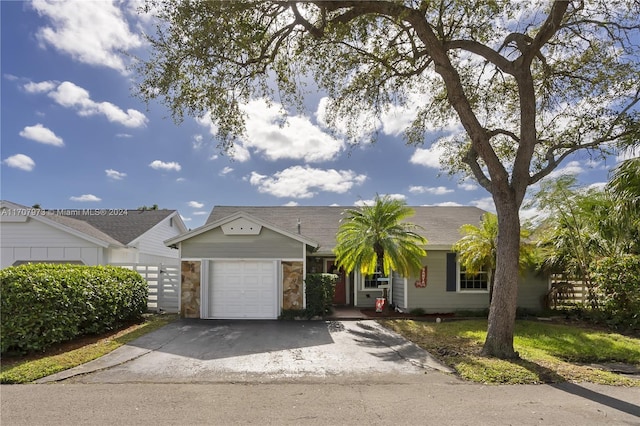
(205, 228)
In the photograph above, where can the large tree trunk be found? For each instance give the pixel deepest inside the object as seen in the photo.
(502, 313)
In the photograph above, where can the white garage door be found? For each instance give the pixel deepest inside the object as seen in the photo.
(243, 289)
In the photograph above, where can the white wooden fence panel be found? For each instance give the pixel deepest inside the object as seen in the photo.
(164, 284)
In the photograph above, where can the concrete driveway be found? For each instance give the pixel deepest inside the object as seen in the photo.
(200, 351)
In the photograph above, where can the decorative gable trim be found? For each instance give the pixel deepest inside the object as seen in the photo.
(232, 219)
(241, 226)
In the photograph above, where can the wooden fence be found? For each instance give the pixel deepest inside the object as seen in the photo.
(566, 291)
(164, 284)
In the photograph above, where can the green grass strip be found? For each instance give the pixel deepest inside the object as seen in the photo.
(32, 368)
(550, 353)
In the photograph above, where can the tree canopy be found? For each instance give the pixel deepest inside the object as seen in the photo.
(529, 84)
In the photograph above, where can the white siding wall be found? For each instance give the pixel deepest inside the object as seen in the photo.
(33, 240)
(122, 255)
(151, 246)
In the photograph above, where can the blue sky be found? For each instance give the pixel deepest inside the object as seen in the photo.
(73, 135)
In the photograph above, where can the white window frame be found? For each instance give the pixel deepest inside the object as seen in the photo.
(472, 290)
(362, 279)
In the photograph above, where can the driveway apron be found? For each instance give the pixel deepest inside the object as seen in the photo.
(200, 351)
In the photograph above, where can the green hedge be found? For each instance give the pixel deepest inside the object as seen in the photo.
(320, 289)
(618, 281)
(43, 304)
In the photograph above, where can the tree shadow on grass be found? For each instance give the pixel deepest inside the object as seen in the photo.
(555, 380)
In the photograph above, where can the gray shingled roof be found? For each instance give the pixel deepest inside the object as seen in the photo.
(123, 227)
(83, 227)
(69, 222)
(441, 223)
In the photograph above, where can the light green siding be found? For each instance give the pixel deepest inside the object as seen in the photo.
(434, 298)
(267, 245)
(532, 290)
(366, 298)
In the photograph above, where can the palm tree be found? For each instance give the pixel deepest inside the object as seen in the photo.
(375, 239)
(477, 248)
(624, 188)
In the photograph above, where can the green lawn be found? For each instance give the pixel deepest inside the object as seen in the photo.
(550, 353)
(67, 355)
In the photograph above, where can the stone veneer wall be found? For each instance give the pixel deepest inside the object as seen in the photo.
(190, 289)
(292, 285)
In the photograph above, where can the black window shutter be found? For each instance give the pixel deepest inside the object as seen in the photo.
(451, 272)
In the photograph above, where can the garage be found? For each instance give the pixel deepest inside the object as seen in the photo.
(242, 289)
(241, 267)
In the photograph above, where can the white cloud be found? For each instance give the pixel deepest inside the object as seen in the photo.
(485, 203)
(572, 168)
(238, 152)
(70, 95)
(161, 165)
(291, 204)
(198, 142)
(531, 214)
(363, 127)
(200, 213)
(599, 186)
(114, 174)
(84, 198)
(41, 134)
(123, 135)
(397, 119)
(207, 121)
(42, 87)
(185, 219)
(305, 182)
(371, 202)
(266, 135)
(180, 179)
(225, 171)
(20, 161)
(468, 186)
(438, 190)
(393, 120)
(91, 32)
(195, 204)
(628, 154)
(429, 157)
(448, 204)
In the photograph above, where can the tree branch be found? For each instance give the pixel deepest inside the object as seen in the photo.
(550, 26)
(471, 159)
(481, 50)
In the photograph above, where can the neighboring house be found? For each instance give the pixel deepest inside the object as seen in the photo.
(88, 236)
(251, 262)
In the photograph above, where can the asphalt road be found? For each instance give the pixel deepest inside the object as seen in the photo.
(433, 398)
(290, 373)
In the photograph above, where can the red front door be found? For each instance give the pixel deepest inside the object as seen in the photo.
(340, 296)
